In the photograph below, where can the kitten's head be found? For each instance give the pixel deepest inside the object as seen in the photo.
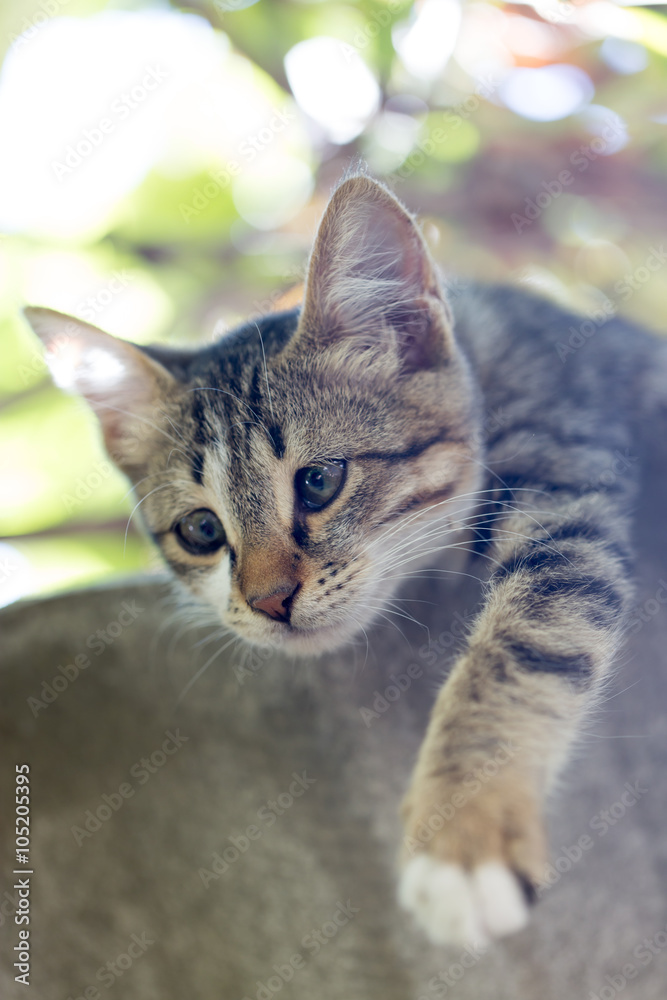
(293, 472)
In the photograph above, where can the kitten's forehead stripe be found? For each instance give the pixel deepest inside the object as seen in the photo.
(197, 462)
(236, 373)
(245, 434)
(202, 433)
(254, 393)
(277, 443)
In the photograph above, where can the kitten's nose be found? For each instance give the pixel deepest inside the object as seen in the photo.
(277, 604)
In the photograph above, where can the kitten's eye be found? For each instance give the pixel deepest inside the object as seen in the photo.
(200, 532)
(316, 485)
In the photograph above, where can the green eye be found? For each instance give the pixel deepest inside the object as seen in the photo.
(200, 532)
(316, 485)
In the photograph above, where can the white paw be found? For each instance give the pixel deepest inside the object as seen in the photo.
(459, 908)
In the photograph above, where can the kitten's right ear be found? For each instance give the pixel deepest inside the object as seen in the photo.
(127, 389)
(373, 289)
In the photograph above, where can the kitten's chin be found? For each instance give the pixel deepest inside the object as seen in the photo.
(296, 641)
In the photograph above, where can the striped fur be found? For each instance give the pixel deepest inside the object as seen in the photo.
(374, 370)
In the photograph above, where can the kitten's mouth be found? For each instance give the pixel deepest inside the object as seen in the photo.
(305, 640)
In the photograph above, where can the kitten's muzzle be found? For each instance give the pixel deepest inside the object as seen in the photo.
(276, 605)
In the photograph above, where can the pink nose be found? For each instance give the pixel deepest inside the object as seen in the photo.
(276, 605)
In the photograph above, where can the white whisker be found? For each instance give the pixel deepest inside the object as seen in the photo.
(203, 669)
(164, 486)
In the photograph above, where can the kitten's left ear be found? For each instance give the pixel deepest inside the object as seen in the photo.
(373, 284)
(127, 389)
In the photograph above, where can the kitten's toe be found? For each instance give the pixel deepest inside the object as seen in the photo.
(460, 908)
(500, 899)
(440, 897)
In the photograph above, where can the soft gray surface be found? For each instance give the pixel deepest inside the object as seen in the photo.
(338, 842)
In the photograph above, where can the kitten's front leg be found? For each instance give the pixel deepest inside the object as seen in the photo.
(474, 845)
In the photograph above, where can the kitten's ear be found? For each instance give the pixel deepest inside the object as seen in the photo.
(127, 389)
(372, 283)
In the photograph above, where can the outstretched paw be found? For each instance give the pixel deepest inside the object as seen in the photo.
(458, 907)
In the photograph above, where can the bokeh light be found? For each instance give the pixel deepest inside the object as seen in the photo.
(546, 93)
(333, 85)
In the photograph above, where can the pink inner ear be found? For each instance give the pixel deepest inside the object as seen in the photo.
(125, 387)
(392, 241)
(112, 376)
(382, 248)
(372, 282)
(392, 270)
(419, 337)
(371, 267)
(99, 369)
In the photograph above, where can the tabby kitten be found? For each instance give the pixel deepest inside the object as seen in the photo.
(296, 471)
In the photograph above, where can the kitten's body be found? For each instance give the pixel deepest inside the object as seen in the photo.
(248, 732)
(485, 434)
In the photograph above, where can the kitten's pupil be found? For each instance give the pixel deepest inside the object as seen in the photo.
(200, 532)
(316, 485)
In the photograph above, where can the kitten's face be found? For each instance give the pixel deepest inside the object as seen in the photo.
(293, 514)
(295, 472)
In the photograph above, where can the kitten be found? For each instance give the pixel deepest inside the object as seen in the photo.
(295, 472)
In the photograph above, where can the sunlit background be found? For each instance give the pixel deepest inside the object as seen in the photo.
(163, 168)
